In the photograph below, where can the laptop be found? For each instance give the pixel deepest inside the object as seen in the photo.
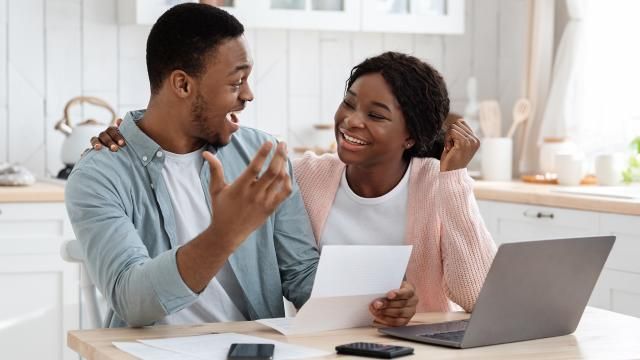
(534, 289)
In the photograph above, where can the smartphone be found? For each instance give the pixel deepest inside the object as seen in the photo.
(251, 352)
(374, 350)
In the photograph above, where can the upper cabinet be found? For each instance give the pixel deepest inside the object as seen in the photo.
(413, 16)
(408, 16)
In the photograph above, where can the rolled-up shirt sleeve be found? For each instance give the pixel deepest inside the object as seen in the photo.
(140, 289)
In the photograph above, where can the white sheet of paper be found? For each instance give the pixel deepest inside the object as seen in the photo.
(348, 278)
(145, 352)
(216, 346)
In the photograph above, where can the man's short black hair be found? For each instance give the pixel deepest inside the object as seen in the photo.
(182, 38)
(421, 93)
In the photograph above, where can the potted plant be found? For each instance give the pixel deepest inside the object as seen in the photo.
(632, 172)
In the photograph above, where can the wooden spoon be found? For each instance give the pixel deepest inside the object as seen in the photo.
(521, 111)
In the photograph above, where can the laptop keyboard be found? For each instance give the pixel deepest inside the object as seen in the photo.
(455, 336)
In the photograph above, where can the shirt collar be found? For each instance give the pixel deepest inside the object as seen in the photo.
(144, 147)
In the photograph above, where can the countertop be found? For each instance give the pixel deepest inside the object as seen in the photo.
(547, 195)
(39, 192)
(514, 192)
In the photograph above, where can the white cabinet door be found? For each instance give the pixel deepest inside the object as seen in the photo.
(414, 16)
(332, 15)
(40, 293)
(618, 288)
(510, 222)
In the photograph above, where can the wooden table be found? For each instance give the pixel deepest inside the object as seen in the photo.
(601, 335)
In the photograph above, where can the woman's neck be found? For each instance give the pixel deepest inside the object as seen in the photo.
(375, 180)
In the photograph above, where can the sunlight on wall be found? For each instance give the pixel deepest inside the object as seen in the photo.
(611, 105)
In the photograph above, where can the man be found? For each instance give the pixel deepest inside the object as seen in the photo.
(172, 239)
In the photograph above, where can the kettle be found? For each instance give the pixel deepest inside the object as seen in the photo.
(78, 136)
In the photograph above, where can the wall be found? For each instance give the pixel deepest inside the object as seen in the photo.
(52, 50)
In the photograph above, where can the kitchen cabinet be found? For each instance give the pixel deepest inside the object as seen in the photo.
(405, 16)
(510, 222)
(414, 16)
(40, 294)
(618, 288)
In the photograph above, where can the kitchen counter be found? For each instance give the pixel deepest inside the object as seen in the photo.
(513, 192)
(535, 194)
(38, 192)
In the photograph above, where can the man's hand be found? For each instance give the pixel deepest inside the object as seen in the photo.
(237, 210)
(397, 308)
(110, 138)
(241, 207)
(459, 146)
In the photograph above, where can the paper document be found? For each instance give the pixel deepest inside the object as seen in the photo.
(211, 347)
(348, 278)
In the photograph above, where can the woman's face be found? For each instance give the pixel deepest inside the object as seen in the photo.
(370, 127)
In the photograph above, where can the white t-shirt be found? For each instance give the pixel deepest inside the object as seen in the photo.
(354, 220)
(181, 173)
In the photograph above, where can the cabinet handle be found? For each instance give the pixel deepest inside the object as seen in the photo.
(537, 214)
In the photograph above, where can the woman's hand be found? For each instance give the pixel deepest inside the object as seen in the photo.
(110, 138)
(460, 145)
(397, 308)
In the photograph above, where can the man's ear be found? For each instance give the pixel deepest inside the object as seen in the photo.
(181, 83)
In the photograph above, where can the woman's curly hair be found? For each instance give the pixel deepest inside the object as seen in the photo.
(421, 93)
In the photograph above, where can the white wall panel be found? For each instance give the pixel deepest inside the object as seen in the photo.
(63, 25)
(430, 48)
(4, 85)
(304, 92)
(133, 83)
(399, 42)
(458, 57)
(485, 34)
(27, 84)
(100, 69)
(512, 54)
(249, 115)
(270, 76)
(335, 64)
(364, 45)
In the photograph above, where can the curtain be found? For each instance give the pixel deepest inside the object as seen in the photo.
(538, 77)
(564, 109)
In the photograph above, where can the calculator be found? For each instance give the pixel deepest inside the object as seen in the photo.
(374, 350)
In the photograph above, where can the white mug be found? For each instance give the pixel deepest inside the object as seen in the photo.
(569, 168)
(609, 168)
(496, 153)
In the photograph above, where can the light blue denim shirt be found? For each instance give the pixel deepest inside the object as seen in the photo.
(121, 212)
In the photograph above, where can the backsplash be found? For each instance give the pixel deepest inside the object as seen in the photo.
(53, 50)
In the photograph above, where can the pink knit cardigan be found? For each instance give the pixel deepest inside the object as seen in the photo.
(452, 249)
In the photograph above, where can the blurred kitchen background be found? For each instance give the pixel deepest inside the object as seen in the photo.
(565, 70)
(51, 51)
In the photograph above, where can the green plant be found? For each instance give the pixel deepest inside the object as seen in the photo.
(632, 172)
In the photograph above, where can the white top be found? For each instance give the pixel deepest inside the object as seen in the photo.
(354, 220)
(181, 173)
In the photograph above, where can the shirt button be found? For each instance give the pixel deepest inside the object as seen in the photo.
(152, 186)
(144, 158)
(159, 154)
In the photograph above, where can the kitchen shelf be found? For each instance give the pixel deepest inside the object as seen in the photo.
(401, 16)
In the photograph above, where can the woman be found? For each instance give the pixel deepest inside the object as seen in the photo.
(385, 178)
(386, 185)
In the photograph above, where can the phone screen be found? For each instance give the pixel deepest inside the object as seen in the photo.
(251, 352)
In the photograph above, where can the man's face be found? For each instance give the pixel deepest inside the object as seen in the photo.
(221, 92)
